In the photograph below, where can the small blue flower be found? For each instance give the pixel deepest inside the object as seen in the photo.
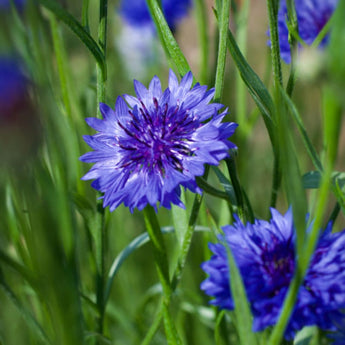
(147, 148)
(312, 16)
(136, 12)
(265, 254)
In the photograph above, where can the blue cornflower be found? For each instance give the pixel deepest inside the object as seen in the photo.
(137, 14)
(266, 257)
(312, 16)
(147, 148)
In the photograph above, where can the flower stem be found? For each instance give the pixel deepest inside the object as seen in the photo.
(224, 17)
(230, 163)
(102, 41)
(102, 231)
(241, 35)
(162, 266)
(201, 18)
(272, 7)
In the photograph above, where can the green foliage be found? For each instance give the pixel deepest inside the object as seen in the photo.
(71, 272)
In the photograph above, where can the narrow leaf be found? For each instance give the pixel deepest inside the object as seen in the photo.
(78, 29)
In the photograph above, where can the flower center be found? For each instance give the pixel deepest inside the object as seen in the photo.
(157, 138)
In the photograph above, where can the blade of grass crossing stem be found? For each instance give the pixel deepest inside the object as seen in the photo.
(223, 25)
(242, 311)
(168, 41)
(78, 29)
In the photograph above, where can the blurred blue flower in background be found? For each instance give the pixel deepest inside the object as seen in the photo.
(19, 123)
(136, 12)
(265, 254)
(13, 87)
(137, 38)
(6, 4)
(312, 16)
(147, 148)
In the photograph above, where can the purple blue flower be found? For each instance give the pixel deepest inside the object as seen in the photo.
(137, 14)
(339, 322)
(312, 16)
(266, 257)
(150, 145)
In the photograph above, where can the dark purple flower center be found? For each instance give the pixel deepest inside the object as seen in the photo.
(278, 264)
(157, 138)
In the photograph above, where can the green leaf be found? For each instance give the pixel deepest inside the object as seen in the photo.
(168, 41)
(255, 86)
(242, 312)
(137, 243)
(307, 143)
(180, 220)
(312, 179)
(78, 29)
(307, 336)
(224, 181)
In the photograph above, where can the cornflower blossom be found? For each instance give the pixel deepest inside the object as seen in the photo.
(136, 12)
(147, 148)
(265, 255)
(312, 16)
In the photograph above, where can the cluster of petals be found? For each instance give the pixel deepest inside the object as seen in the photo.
(312, 16)
(152, 144)
(265, 255)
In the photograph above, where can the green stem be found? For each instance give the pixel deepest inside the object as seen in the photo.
(202, 183)
(241, 35)
(102, 41)
(85, 16)
(230, 163)
(277, 177)
(201, 18)
(187, 239)
(222, 47)
(102, 231)
(162, 266)
(293, 26)
(167, 38)
(272, 6)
